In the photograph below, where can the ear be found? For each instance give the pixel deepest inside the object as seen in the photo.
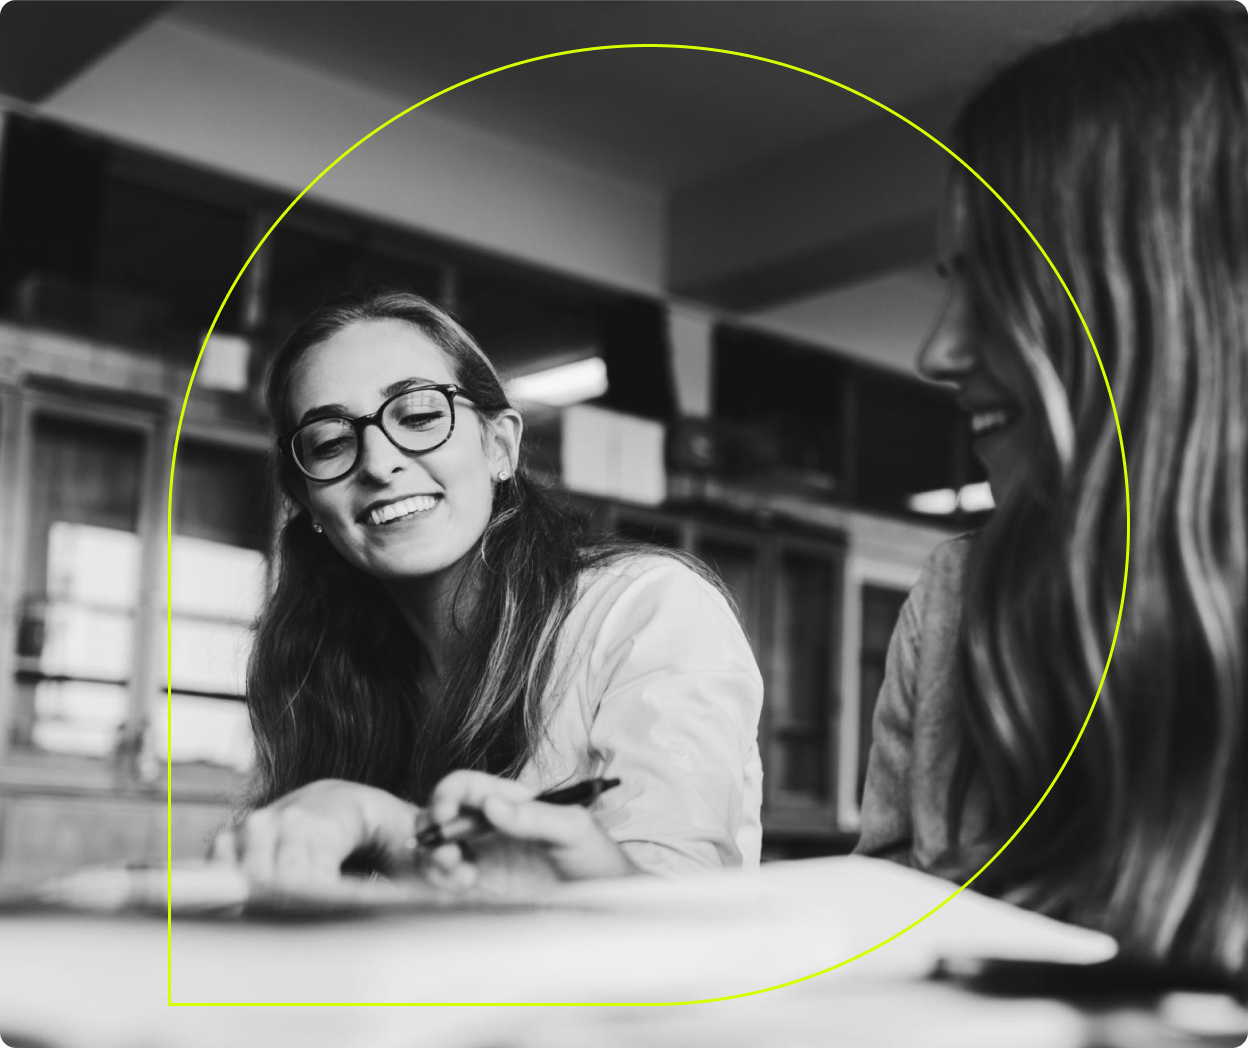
(502, 441)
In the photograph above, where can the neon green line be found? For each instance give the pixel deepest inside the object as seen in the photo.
(617, 1004)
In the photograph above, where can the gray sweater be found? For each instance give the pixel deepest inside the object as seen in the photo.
(916, 724)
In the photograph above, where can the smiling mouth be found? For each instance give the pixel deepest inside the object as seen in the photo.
(404, 509)
(984, 423)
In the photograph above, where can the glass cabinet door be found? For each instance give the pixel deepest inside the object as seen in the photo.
(802, 697)
(881, 605)
(635, 525)
(736, 559)
(198, 714)
(79, 606)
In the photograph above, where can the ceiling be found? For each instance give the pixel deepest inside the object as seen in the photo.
(668, 118)
(779, 186)
(785, 199)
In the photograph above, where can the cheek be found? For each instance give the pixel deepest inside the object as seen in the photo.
(473, 478)
(324, 506)
(1006, 370)
(481, 500)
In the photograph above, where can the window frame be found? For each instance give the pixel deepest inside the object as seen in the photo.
(154, 420)
(193, 779)
(785, 812)
(19, 766)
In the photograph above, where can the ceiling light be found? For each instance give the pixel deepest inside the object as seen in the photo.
(973, 498)
(562, 385)
(937, 503)
(976, 498)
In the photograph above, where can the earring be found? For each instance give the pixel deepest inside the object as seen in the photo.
(317, 527)
(503, 474)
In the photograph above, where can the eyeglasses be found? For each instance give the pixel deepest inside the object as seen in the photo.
(417, 420)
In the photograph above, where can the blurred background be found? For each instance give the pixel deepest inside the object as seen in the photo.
(704, 278)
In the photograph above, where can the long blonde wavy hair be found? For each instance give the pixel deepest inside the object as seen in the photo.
(1126, 153)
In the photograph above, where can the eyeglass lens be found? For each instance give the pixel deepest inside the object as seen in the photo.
(419, 420)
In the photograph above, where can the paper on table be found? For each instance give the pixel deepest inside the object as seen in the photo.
(859, 901)
(854, 903)
(641, 939)
(634, 939)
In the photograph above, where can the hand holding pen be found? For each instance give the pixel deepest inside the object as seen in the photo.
(472, 823)
(503, 814)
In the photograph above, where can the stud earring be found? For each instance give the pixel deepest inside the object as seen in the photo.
(317, 527)
(503, 474)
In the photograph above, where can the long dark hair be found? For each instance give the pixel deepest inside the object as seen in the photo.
(1126, 153)
(332, 681)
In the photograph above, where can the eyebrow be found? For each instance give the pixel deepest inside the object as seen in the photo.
(341, 410)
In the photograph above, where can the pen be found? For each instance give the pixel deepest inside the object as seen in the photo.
(473, 823)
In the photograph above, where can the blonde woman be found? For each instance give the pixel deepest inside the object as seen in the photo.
(1126, 153)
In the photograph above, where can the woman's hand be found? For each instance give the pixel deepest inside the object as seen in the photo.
(566, 841)
(307, 834)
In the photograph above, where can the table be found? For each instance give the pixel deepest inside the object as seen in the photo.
(70, 980)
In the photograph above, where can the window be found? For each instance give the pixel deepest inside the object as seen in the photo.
(78, 616)
(219, 580)
(90, 670)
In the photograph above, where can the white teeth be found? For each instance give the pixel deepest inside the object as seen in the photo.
(402, 508)
(983, 421)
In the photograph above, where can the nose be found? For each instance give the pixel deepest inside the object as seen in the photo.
(379, 458)
(948, 353)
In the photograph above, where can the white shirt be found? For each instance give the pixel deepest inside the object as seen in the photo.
(655, 685)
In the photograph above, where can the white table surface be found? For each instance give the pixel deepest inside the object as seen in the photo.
(69, 980)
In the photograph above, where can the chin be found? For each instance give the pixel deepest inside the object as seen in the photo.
(1004, 462)
(415, 569)
(405, 571)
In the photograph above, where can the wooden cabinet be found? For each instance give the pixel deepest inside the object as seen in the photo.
(881, 606)
(803, 703)
(787, 584)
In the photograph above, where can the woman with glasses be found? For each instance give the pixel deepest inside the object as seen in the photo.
(1126, 153)
(442, 639)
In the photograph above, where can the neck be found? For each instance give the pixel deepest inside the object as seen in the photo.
(428, 606)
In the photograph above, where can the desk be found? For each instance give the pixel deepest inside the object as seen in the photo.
(71, 981)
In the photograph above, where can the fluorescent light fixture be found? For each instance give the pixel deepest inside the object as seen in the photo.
(973, 498)
(936, 503)
(562, 385)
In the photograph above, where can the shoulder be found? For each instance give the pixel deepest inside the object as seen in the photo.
(946, 564)
(939, 588)
(650, 604)
(645, 576)
(931, 618)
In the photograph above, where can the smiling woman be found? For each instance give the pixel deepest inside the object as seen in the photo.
(1126, 153)
(443, 638)
(395, 494)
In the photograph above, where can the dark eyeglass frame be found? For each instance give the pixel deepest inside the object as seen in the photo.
(361, 422)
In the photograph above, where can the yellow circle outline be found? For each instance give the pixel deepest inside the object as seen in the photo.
(169, 555)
